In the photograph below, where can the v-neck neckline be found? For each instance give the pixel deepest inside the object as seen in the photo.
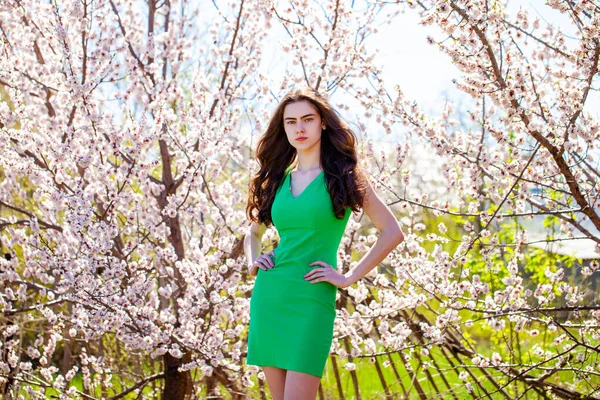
(307, 186)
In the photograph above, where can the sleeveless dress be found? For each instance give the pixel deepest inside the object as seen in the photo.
(291, 319)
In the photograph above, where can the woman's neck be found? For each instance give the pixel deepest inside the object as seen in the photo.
(308, 162)
(303, 169)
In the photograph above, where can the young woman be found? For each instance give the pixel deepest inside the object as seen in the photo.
(308, 184)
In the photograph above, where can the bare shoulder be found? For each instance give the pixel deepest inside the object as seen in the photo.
(379, 213)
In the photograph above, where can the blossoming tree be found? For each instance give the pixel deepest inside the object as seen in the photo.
(123, 185)
(125, 130)
(531, 151)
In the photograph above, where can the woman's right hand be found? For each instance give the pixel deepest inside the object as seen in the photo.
(264, 262)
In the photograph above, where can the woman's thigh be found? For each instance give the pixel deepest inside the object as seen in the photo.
(276, 381)
(301, 386)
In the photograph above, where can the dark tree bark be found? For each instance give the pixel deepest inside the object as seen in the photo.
(178, 384)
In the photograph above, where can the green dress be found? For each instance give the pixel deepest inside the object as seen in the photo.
(291, 319)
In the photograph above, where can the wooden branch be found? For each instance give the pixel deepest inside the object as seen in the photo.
(543, 141)
(30, 215)
(231, 48)
(139, 385)
(35, 307)
(129, 46)
(537, 39)
(571, 221)
(333, 26)
(592, 73)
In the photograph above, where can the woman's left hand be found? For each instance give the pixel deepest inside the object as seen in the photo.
(326, 273)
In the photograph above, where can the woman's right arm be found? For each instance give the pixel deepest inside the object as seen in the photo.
(253, 245)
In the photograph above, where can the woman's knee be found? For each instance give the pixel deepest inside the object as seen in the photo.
(301, 386)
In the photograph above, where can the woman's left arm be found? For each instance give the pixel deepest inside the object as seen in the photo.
(390, 236)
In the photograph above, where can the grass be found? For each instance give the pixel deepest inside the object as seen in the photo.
(369, 382)
(442, 379)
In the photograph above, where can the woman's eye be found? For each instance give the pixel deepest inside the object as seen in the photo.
(308, 119)
(290, 122)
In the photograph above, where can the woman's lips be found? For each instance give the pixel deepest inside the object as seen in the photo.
(300, 139)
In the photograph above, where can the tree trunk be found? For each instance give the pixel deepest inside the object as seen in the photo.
(178, 384)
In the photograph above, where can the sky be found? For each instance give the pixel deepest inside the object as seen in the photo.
(425, 74)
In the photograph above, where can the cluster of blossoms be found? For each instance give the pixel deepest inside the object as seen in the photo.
(124, 163)
(531, 153)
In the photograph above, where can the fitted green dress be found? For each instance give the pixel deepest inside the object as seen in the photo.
(291, 319)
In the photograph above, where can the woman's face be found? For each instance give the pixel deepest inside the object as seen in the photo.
(301, 120)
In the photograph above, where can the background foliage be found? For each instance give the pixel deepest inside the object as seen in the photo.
(126, 136)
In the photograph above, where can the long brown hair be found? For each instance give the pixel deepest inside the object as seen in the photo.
(344, 176)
